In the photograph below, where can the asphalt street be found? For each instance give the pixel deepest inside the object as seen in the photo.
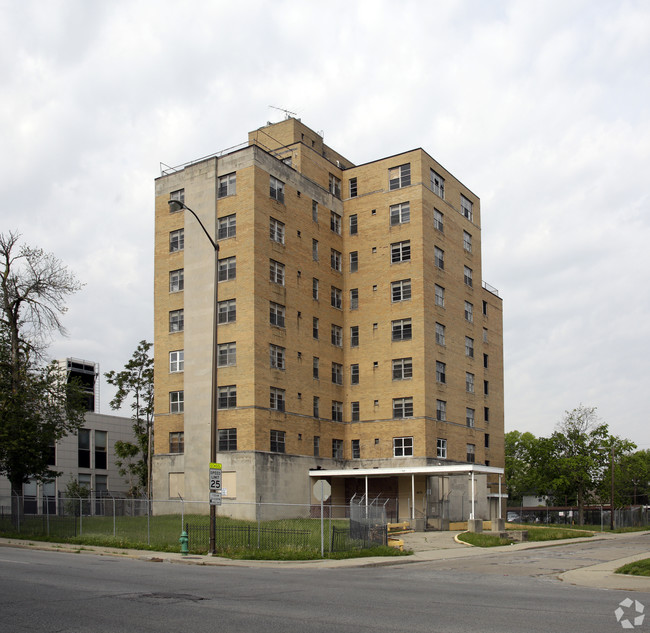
(514, 590)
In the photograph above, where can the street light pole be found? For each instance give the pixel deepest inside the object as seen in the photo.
(177, 205)
(611, 514)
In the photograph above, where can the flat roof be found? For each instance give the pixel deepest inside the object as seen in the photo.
(452, 469)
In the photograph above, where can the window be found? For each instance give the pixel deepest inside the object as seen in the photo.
(354, 336)
(487, 440)
(176, 401)
(314, 327)
(176, 280)
(316, 406)
(337, 336)
(176, 361)
(314, 210)
(336, 298)
(276, 314)
(100, 450)
(316, 446)
(227, 269)
(337, 373)
(337, 411)
(486, 387)
(440, 334)
(176, 240)
(437, 184)
(401, 330)
(83, 448)
(176, 321)
(469, 347)
(277, 356)
(441, 410)
(315, 368)
(400, 290)
(354, 299)
(469, 312)
(276, 230)
(402, 368)
(399, 177)
(276, 189)
(469, 417)
(354, 374)
(337, 449)
(402, 408)
(227, 227)
(51, 458)
(354, 261)
(400, 213)
(177, 442)
(354, 412)
(485, 335)
(227, 397)
(356, 449)
(441, 448)
(226, 354)
(471, 453)
(354, 228)
(438, 221)
(278, 441)
(335, 222)
(467, 242)
(466, 207)
(276, 272)
(400, 252)
(335, 260)
(335, 186)
(467, 276)
(439, 257)
(441, 372)
(486, 414)
(227, 439)
(314, 250)
(276, 399)
(314, 289)
(485, 308)
(440, 296)
(179, 195)
(485, 361)
(227, 311)
(227, 185)
(353, 187)
(402, 447)
(469, 382)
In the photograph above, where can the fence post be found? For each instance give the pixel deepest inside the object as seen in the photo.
(81, 515)
(322, 535)
(114, 519)
(148, 523)
(47, 513)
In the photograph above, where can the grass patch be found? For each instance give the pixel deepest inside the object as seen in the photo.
(554, 534)
(637, 568)
(483, 540)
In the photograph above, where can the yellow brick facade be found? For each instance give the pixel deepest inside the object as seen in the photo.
(297, 157)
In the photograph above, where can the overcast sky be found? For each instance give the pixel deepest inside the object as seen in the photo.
(541, 108)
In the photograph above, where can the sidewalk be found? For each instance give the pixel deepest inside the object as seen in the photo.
(426, 546)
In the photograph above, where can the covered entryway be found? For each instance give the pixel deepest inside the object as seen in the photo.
(429, 497)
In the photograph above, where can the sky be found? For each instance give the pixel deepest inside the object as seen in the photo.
(541, 108)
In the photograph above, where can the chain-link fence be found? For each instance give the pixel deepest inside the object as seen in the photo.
(113, 520)
(632, 516)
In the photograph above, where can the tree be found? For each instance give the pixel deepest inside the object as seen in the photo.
(136, 381)
(37, 405)
(520, 472)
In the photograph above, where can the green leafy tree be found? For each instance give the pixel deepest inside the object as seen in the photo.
(37, 405)
(135, 381)
(520, 467)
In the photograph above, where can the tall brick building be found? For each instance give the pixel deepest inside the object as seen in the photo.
(355, 333)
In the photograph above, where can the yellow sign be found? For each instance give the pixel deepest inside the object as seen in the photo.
(217, 466)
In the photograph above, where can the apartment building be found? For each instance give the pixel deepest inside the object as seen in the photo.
(356, 339)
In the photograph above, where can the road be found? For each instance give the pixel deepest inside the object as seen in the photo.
(494, 592)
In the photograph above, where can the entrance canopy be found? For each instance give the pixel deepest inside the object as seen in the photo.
(451, 469)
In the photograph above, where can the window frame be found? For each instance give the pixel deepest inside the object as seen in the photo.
(226, 311)
(277, 357)
(403, 446)
(176, 402)
(277, 399)
(227, 352)
(227, 269)
(177, 280)
(276, 230)
(404, 327)
(177, 240)
(399, 213)
(441, 448)
(177, 361)
(437, 187)
(227, 226)
(278, 313)
(400, 290)
(276, 189)
(227, 440)
(278, 441)
(176, 321)
(227, 185)
(402, 368)
(400, 252)
(399, 176)
(226, 395)
(403, 408)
